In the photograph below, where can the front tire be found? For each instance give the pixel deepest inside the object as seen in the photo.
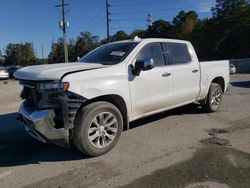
(214, 98)
(97, 128)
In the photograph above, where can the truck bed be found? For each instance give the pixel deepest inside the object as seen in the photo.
(210, 70)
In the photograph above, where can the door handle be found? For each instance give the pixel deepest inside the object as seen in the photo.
(166, 74)
(195, 71)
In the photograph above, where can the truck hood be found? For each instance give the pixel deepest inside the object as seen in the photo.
(53, 71)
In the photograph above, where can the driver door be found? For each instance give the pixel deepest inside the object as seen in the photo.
(151, 91)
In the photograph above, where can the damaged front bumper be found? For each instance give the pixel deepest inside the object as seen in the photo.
(40, 125)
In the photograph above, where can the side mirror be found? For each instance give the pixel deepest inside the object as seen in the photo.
(142, 66)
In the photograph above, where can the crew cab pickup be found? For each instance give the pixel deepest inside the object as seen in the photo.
(93, 100)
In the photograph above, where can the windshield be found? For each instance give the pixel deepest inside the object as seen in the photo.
(109, 54)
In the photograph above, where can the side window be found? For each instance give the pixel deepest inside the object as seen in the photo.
(152, 51)
(177, 53)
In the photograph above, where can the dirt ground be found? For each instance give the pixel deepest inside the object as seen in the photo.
(185, 147)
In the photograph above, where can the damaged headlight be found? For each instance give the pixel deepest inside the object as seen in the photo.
(53, 86)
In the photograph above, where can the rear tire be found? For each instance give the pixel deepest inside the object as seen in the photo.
(214, 98)
(97, 128)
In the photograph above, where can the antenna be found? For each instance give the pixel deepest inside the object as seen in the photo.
(150, 20)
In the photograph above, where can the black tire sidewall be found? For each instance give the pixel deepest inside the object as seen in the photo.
(83, 120)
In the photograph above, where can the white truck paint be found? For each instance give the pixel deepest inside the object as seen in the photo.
(155, 90)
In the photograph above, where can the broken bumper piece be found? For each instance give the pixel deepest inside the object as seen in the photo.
(40, 125)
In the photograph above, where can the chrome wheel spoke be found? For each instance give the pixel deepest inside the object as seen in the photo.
(103, 130)
(112, 129)
(107, 118)
(93, 129)
(112, 122)
(111, 137)
(98, 142)
(104, 140)
(216, 98)
(93, 137)
(101, 117)
(95, 122)
(217, 95)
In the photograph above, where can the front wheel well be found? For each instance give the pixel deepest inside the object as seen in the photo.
(220, 81)
(116, 100)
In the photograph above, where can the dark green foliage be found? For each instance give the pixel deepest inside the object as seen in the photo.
(1, 58)
(137, 32)
(120, 35)
(19, 54)
(84, 43)
(224, 36)
(159, 29)
(57, 52)
(184, 25)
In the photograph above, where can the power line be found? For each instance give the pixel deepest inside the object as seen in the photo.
(64, 24)
(128, 19)
(92, 25)
(125, 27)
(158, 10)
(137, 3)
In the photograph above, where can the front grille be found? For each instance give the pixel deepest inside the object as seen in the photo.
(65, 105)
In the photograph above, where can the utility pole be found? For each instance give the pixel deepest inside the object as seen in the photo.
(64, 24)
(149, 20)
(108, 20)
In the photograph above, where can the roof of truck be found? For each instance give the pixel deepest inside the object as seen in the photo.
(137, 39)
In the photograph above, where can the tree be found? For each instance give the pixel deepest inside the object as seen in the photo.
(57, 52)
(71, 50)
(137, 32)
(159, 29)
(85, 42)
(120, 35)
(19, 54)
(224, 36)
(184, 24)
(1, 58)
(227, 7)
(227, 32)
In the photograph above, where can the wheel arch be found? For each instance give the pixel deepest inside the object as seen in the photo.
(116, 100)
(219, 80)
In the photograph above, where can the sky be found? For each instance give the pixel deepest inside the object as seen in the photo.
(37, 21)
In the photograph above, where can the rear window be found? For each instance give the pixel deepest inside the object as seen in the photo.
(177, 53)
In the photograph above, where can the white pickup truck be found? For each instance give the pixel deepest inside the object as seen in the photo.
(93, 100)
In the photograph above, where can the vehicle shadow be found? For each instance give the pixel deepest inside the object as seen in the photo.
(243, 84)
(188, 109)
(18, 148)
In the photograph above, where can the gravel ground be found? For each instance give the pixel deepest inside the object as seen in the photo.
(184, 147)
(9, 96)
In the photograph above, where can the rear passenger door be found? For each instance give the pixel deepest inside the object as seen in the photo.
(185, 70)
